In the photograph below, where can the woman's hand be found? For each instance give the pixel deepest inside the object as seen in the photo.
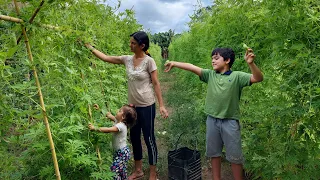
(249, 56)
(163, 112)
(91, 127)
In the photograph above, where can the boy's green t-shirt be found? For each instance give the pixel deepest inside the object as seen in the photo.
(223, 93)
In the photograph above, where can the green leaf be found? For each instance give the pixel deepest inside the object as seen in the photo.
(245, 46)
(11, 51)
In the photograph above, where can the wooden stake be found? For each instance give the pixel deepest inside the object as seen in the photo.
(46, 122)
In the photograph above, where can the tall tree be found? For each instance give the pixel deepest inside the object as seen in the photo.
(163, 39)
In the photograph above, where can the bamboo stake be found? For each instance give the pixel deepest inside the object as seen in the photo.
(12, 19)
(32, 18)
(54, 157)
(48, 26)
(17, 20)
(36, 12)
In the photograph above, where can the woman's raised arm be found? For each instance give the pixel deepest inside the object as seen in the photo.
(104, 57)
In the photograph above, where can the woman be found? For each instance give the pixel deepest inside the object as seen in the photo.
(143, 86)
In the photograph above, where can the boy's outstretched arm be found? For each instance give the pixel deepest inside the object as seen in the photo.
(185, 66)
(256, 73)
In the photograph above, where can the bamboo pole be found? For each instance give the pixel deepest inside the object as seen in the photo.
(17, 20)
(48, 26)
(36, 12)
(12, 19)
(54, 157)
(32, 18)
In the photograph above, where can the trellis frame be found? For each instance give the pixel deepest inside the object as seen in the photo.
(24, 34)
(43, 108)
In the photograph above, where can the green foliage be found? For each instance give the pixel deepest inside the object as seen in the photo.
(280, 116)
(187, 119)
(155, 52)
(71, 79)
(163, 39)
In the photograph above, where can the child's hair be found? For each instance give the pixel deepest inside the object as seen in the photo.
(226, 53)
(142, 38)
(130, 115)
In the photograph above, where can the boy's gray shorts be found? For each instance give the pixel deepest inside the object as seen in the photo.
(224, 132)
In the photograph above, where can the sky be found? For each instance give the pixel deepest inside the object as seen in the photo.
(162, 15)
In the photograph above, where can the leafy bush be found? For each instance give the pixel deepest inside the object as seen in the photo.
(280, 115)
(72, 80)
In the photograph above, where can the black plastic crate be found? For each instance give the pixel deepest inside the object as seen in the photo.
(184, 164)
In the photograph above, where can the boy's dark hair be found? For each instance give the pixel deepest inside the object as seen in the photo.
(130, 115)
(226, 53)
(142, 38)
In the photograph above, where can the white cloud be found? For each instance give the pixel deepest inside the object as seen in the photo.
(162, 15)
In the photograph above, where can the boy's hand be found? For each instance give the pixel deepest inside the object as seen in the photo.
(169, 65)
(91, 127)
(89, 46)
(249, 56)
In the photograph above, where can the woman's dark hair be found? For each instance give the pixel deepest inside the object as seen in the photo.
(130, 115)
(226, 53)
(142, 38)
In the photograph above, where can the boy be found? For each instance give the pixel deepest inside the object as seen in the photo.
(222, 105)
